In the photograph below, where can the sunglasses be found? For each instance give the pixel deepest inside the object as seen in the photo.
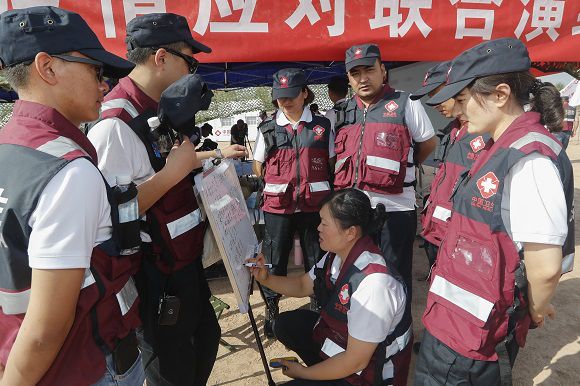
(75, 59)
(192, 62)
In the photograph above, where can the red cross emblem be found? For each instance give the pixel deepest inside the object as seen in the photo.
(477, 144)
(284, 82)
(318, 130)
(488, 185)
(358, 53)
(218, 133)
(343, 295)
(391, 106)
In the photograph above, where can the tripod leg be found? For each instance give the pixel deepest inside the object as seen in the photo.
(260, 347)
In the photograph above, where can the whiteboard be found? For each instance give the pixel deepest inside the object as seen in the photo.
(229, 219)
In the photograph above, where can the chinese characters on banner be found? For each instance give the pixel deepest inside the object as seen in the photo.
(321, 30)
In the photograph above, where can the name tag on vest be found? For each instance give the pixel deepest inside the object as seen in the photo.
(127, 296)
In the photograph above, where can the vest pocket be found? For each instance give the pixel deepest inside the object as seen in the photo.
(343, 172)
(316, 192)
(277, 196)
(477, 256)
(381, 171)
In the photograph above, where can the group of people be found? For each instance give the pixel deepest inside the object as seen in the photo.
(77, 309)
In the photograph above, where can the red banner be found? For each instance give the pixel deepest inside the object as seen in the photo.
(321, 30)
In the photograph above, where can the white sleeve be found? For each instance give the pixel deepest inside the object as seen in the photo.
(260, 148)
(320, 264)
(537, 205)
(376, 307)
(331, 151)
(120, 151)
(71, 217)
(418, 122)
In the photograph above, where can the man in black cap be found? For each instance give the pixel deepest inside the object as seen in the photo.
(66, 318)
(380, 136)
(178, 347)
(208, 144)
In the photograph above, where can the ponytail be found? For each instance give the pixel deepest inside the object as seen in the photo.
(546, 100)
(378, 218)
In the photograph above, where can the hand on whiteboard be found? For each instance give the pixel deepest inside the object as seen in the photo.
(181, 160)
(260, 272)
(235, 151)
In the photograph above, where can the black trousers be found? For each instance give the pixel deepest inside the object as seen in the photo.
(183, 353)
(294, 330)
(396, 242)
(438, 364)
(431, 251)
(279, 239)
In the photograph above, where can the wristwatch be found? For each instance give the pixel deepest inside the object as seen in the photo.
(218, 154)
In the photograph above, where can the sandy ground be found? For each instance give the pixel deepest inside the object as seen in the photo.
(551, 355)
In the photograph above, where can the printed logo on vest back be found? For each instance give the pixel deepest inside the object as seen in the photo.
(343, 295)
(488, 185)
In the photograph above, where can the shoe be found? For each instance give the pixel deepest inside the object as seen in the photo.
(272, 312)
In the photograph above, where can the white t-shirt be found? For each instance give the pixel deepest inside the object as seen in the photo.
(281, 120)
(533, 205)
(71, 217)
(420, 130)
(376, 307)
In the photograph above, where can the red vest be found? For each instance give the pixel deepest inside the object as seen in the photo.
(372, 148)
(461, 151)
(42, 142)
(296, 174)
(331, 331)
(174, 221)
(474, 292)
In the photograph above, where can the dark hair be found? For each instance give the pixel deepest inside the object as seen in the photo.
(314, 107)
(17, 76)
(351, 207)
(140, 55)
(338, 85)
(309, 98)
(544, 98)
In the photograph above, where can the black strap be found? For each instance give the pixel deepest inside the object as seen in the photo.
(94, 317)
(412, 183)
(503, 360)
(140, 127)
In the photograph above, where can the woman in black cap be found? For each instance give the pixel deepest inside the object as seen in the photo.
(513, 206)
(293, 154)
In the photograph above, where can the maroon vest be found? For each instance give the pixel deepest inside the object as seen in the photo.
(331, 331)
(174, 221)
(372, 148)
(474, 292)
(461, 151)
(42, 142)
(296, 174)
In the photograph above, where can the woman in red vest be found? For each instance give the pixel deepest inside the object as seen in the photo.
(508, 238)
(363, 333)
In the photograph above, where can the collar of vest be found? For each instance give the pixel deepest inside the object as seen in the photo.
(364, 244)
(385, 91)
(44, 128)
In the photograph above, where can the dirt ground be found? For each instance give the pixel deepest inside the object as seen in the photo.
(551, 356)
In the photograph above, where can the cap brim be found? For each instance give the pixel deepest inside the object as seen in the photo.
(198, 47)
(448, 92)
(424, 91)
(113, 66)
(360, 62)
(290, 92)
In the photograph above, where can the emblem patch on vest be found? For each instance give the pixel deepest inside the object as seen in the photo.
(477, 144)
(391, 108)
(318, 130)
(343, 295)
(488, 185)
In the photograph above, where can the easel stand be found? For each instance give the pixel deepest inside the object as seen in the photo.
(259, 341)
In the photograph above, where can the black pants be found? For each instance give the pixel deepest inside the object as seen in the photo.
(183, 353)
(279, 239)
(438, 364)
(294, 330)
(431, 251)
(396, 241)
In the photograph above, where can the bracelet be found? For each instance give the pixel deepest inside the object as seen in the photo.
(218, 154)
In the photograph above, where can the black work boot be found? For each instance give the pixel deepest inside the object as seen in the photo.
(272, 312)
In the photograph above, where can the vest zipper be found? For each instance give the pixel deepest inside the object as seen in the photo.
(362, 132)
(295, 132)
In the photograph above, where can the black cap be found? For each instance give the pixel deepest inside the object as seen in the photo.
(26, 32)
(435, 77)
(500, 56)
(362, 55)
(288, 83)
(182, 100)
(157, 29)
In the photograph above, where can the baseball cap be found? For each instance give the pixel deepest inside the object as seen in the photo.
(435, 77)
(362, 55)
(288, 83)
(183, 99)
(157, 29)
(28, 31)
(499, 56)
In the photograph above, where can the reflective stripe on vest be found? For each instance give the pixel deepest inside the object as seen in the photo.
(275, 188)
(399, 343)
(127, 296)
(120, 104)
(339, 163)
(467, 301)
(568, 263)
(383, 163)
(441, 213)
(185, 223)
(14, 303)
(537, 137)
(59, 147)
(331, 349)
(319, 186)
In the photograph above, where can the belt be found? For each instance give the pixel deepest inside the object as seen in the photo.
(126, 353)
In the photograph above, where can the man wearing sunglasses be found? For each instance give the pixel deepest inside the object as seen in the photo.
(179, 348)
(65, 318)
